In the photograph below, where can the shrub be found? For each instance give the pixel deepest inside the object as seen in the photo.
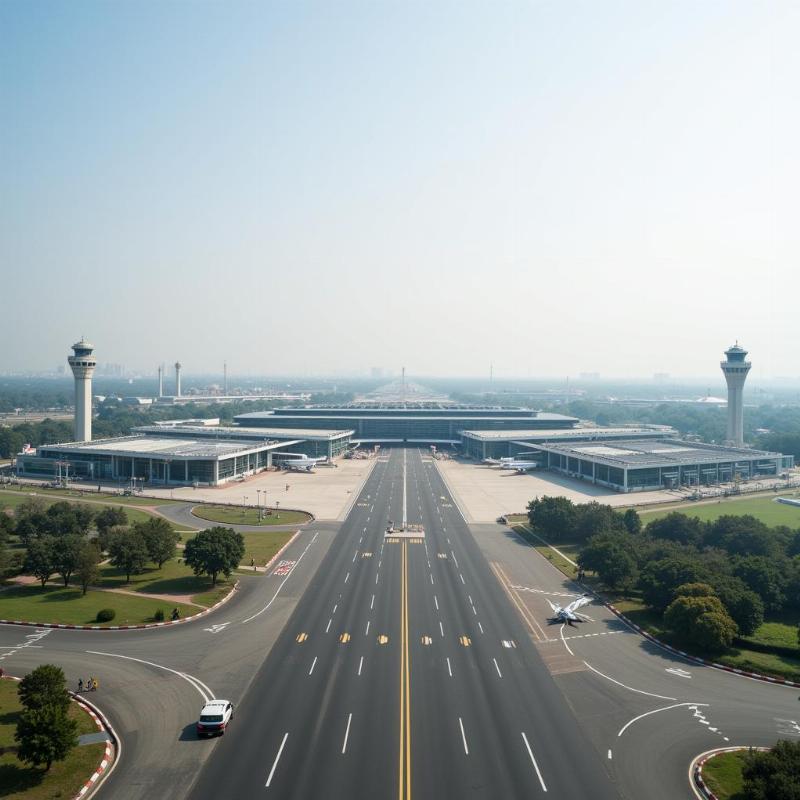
(159, 615)
(106, 614)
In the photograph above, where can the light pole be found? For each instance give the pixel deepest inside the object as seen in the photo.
(277, 515)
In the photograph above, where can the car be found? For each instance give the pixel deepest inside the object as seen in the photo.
(214, 717)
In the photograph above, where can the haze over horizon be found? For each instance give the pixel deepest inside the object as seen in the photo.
(311, 188)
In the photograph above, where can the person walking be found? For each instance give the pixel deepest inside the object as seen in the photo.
(80, 684)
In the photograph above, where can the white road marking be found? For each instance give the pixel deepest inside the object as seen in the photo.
(463, 736)
(431, 578)
(335, 607)
(372, 602)
(366, 632)
(206, 693)
(681, 673)
(347, 577)
(360, 664)
(533, 761)
(218, 627)
(377, 575)
(449, 668)
(355, 555)
(481, 627)
(436, 602)
(346, 733)
(561, 631)
(277, 758)
(313, 664)
(329, 625)
(441, 628)
(497, 667)
(258, 613)
(455, 561)
(609, 755)
(629, 688)
(462, 579)
(655, 711)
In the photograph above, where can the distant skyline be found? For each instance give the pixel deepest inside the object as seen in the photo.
(311, 188)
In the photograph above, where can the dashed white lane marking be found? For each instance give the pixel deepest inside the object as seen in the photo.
(436, 602)
(441, 628)
(346, 733)
(360, 664)
(335, 607)
(533, 760)
(462, 579)
(480, 627)
(313, 664)
(277, 758)
(329, 625)
(355, 555)
(629, 688)
(500, 674)
(366, 632)
(541, 591)
(463, 735)
(347, 577)
(455, 560)
(372, 602)
(449, 668)
(39, 634)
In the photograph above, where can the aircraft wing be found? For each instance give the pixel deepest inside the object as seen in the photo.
(576, 604)
(556, 608)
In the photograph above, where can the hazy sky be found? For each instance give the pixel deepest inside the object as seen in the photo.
(554, 187)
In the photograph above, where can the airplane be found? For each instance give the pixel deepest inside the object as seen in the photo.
(569, 613)
(518, 465)
(302, 464)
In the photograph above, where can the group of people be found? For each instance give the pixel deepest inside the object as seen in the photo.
(91, 684)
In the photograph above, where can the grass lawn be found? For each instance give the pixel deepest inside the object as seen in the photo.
(239, 515)
(723, 775)
(569, 549)
(174, 577)
(65, 778)
(763, 508)
(68, 606)
(262, 546)
(88, 494)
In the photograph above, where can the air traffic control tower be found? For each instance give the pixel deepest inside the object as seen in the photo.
(83, 364)
(735, 370)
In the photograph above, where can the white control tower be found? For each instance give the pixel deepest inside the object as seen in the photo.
(735, 370)
(83, 364)
(177, 379)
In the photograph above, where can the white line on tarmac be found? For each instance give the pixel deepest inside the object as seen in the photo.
(347, 577)
(455, 560)
(329, 625)
(463, 736)
(441, 629)
(335, 607)
(346, 733)
(206, 693)
(366, 632)
(354, 556)
(360, 664)
(277, 758)
(313, 664)
(462, 579)
(277, 592)
(372, 602)
(449, 668)
(533, 760)
(654, 711)
(436, 602)
(497, 667)
(377, 575)
(481, 627)
(630, 689)
(561, 631)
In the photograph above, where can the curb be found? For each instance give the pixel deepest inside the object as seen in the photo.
(124, 627)
(696, 768)
(696, 659)
(198, 503)
(110, 757)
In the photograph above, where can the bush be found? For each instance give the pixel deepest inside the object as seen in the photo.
(159, 615)
(106, 614)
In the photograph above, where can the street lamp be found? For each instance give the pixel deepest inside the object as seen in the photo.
(277, 515)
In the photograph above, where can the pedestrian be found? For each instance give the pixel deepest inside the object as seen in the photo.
(175, 614)
(253, 564)
(80, 684)
(94, 684)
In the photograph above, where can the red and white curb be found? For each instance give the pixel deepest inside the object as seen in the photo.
(696, 769)
(108, 756)
(194, 617)
(696, 659)
(274, 558)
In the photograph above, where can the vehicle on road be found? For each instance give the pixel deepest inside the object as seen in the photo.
(214, 718)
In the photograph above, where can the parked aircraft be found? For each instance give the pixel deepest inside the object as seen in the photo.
(302, 464)
(517, 464)
(569, 613)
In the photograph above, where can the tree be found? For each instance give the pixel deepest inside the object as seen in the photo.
(741, 535)
(632, 521)
(612, 556)
(714, 631)
(45, 686)
(45, 735)
(66, 552)
(660, 579)
(701, 620)
(214, 551)
(553, 517)
(39, 560)
(159, 538)
(109, 518)
(767, 577)
(593, 518)
(87, 570)
(773, 775)
(676, 527)
(744, 605)
(128, 551)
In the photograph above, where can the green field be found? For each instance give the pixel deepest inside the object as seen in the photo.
(764, 508)
(85, 494)
(174, 577)
(262, 546)
(65, 778)
(239, 515)
(68, 606)
(723, 775)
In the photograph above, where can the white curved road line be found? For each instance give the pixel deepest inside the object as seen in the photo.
(654, 711)
(278, 590)
(206, 693)
(561, 631)
(629, 688)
